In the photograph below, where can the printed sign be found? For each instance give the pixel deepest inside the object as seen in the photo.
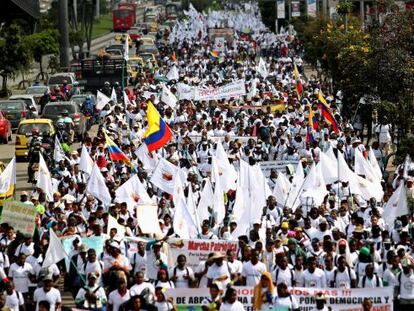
(280, 166)
(281, 14)
(234, 89)
(338, 299)
(198, 250)
(295, 8)
(20, 216)
(227, 33)
(312, 8)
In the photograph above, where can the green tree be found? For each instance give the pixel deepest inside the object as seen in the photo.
(43, 43)
(15, 55)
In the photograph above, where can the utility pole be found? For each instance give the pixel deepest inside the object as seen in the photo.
(97, 10)
(64, 33)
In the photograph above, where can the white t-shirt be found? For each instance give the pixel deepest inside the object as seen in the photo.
(138, 288)
(315, 279)
(153, 264)
(236, 306)
(286, 276)
(366, 282)
(181, 282)
(286, 302)
(14, 301)
(52, 296)
(139, 263)
(214, 272)
(163, 306)
(20, 275)
(116, 300)
(252, 273)
(343, 279)
(407, 286)
(200, 268)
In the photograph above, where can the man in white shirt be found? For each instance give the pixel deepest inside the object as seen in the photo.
(20, 273)
(405, 284)
(141, 285)
(283, 274)
(48, 293)
(313, 276)
(369, 280)
(219, 271)
(182, 275)
(253, 269)
(344, 276)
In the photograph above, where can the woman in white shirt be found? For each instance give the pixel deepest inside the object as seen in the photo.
(230, 302)
(284, 299)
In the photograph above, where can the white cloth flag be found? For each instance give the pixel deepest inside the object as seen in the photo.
(182, 221)
(281, 190)
(168, 97)
(101, 100)
(218, 198)
(227, 172)
(363, 167)
(133, 192)
(206, 201)
(113, 224)
(374, 163)
(173, 74)
(396, 206)
(126, 100)
(97, 187)
(293, 198)
(44, 179)
(192, 210)
(55, 251)
(126, 48)
(8, 177)
(149, 160)
(147, 218)
(58, 153)
(314, 186)
(163, 176)
(114, 98)
(261, 68)
(85, 161)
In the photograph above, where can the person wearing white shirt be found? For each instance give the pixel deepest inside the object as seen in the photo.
(182, 275)
(218, 271)
(14, 299)
(253, 269)
(344, 276)
(48, 293)
(140, 285)
(283, 274)
(369, 280)
(118, 296)
(27, 247)
(230, 302)
(405, 284)
(91, 296)
(20, 273)
(313, 277)
(139, 260)
(284, 300)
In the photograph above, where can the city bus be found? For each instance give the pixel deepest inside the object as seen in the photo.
(123, 18)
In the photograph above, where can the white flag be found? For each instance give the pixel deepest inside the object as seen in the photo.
(261, 68)
(294, 191)
(127, 102)
(314, 186)
(227, 172)
(58, 153)
(113, 224)
(101, 100)
(281, 190)
(374, 163)
(173, 74)
(396, 206)
(44, 179)
(133, 192)
(85, 161)
(206, 201)
(126, 48)
(163, 176)
(8, 177)
(114, 98)
(149, 160)
(147, 218)
(55, 251)
(97, 187)
(168, 97)
(218, 198)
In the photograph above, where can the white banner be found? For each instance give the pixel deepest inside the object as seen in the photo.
(338, 299)
(233, 89)
(312, 8)
(244, 139)
(185, 91)
(267, 166)
(198, 250)
(281, 9)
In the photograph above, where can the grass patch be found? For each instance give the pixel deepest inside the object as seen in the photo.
(104, 25)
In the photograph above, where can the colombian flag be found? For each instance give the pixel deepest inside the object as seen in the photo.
(115, 153)
(158, 133)
(310, 128)
(299, 87)
(326, 113)
(214, 54)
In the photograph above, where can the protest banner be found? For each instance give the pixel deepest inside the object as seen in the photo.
(227, 33)
(20, 216)
(243, 139)
(94, 242)
(279, 166)
(233, 89)
(338, 299)
(198, 250)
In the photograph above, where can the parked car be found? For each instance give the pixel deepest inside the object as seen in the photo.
(54, 110)
(24, 131)
(5, 129)
(15, 111)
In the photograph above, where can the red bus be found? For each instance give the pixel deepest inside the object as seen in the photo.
(131, 6)
(123, 19)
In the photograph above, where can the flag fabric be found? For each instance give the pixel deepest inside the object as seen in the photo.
(396, 205)
(173, 74)
(133, 192)
(126, 48)
(101, 100)
(115, 153)
(168, 97)
(44, 179)
(113, 224)
(227, 172)
(85, 161)
(97, 187)
(148, 159)
(8, 177)
(158, 133)
(114, 98)
(163, 176)
(326, 113)
(58, 153)
(261, 68)
(214, 54)
(55, 251)
(206, 201)
(310, 127)
(299, 87)
(174, 56)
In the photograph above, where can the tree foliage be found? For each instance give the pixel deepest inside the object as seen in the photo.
(43, 43)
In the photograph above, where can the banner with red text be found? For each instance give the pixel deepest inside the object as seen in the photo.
(233, 89)
(338, 299)
(198, 250)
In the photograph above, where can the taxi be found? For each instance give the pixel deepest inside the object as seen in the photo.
(24, 132)
(121, 37)
(135, 65)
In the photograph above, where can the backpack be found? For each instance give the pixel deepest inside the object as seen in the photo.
(277, 275)
(336, 273)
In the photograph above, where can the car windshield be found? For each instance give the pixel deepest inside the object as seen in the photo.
(78, 100)
(27, 128)
(55, 110)
(36, 90)
(58, 79)
(11, 105)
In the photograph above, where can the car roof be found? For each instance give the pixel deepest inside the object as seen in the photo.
(20, 96)
(31, 121)
(60, 103)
